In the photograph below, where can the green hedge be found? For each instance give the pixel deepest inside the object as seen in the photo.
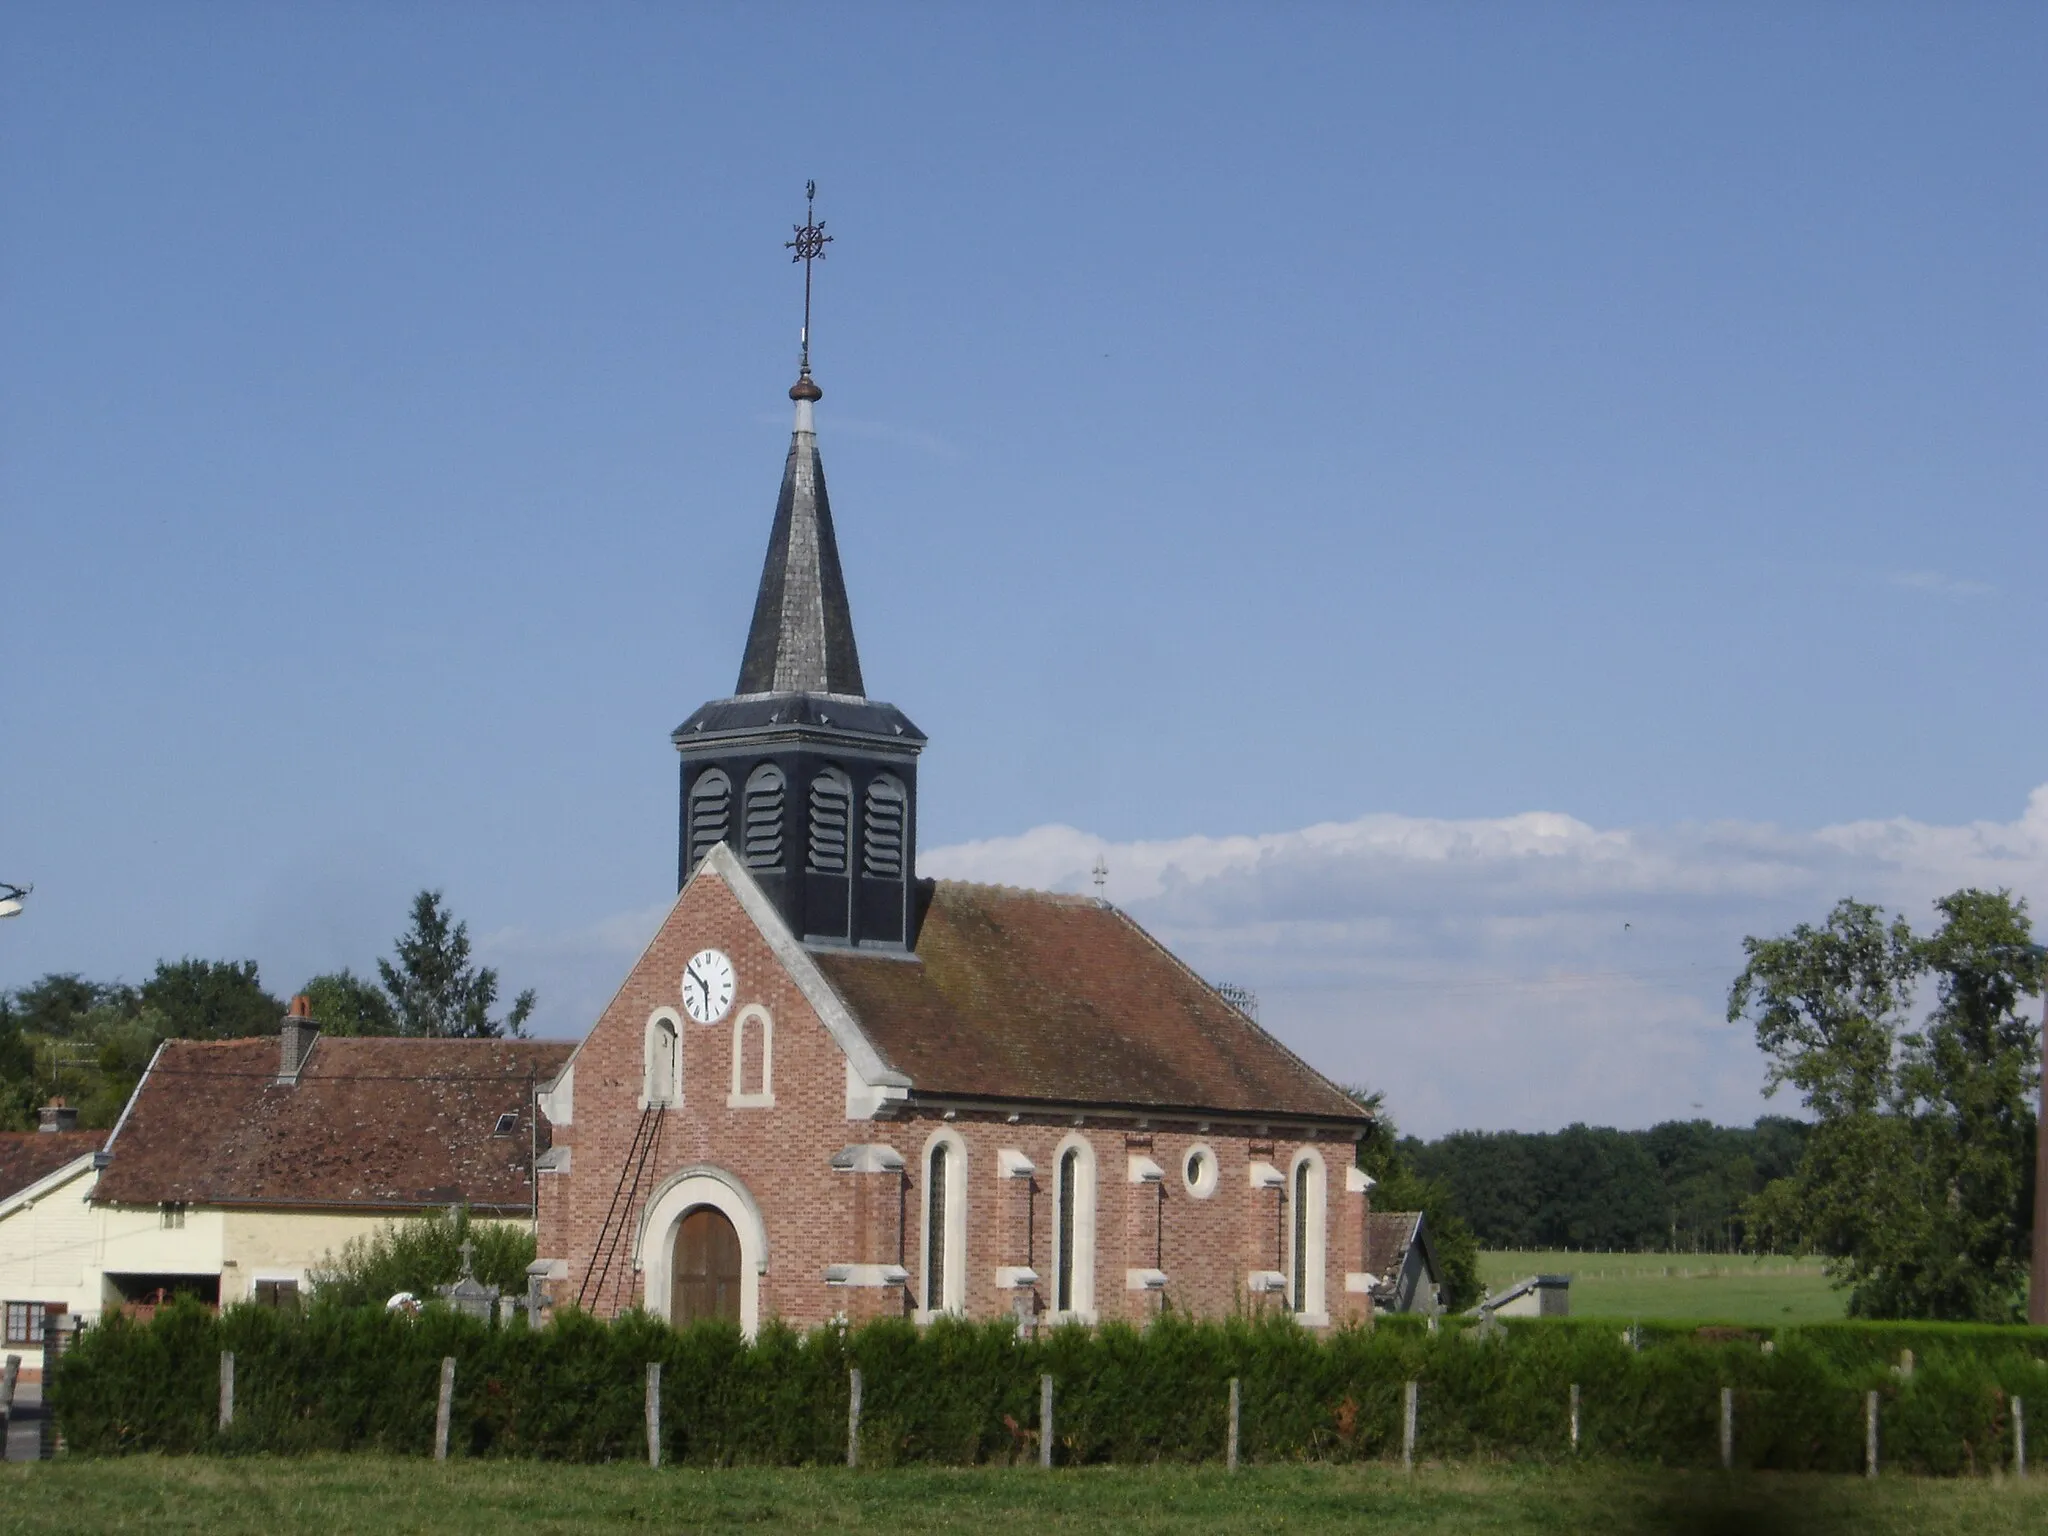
(342, 1378)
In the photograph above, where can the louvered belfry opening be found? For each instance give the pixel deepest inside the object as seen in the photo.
(707, 817)
(825, 777)
(831, 815)
(764, 818)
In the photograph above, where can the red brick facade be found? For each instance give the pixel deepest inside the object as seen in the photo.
(771, 1167)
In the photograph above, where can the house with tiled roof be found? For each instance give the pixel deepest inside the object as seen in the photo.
(831, 1089)
(46, 1226)
(238, 1165)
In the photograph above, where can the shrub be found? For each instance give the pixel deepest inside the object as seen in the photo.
(342, 1378)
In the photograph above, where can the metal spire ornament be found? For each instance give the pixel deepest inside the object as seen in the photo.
(808, 246)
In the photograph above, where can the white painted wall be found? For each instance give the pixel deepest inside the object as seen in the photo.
(49, 1241)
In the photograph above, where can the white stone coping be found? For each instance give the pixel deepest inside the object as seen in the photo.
(1144, 1171)
(1013, 1164)
(866, 1274)
(1144, 1279)
(1266, 1282)
(1357, 1181)
(1266, 1176)
(868, 1157)
(1015, 1277)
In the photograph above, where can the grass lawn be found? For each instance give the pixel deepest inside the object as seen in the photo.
(265, 1497)
(1708, 1287)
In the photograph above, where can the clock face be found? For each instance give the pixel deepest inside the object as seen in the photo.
(708, 984)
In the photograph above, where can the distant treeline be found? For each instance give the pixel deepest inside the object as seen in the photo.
(1680, 1186)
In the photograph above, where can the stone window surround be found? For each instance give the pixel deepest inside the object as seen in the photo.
(1314, 1312)
(740, 1098)
(955, 1236)
(1083, 1309)
(670, 1093)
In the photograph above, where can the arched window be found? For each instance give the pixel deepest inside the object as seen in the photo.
(945, 1224)
(764, 817)
(882, 824)
(1305, 1236)
(664, 1079)
(1074, 1230)
(710, 813)
(831, 809)
(753, 1059)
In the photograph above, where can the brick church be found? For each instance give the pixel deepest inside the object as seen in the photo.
(830, 1089)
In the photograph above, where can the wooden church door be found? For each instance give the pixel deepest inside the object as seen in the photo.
(706, 1270)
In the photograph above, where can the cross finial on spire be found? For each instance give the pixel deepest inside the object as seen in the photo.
(808, 246)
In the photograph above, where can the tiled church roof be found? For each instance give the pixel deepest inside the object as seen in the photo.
(380, 1123)
(1023, 995)
(26, 1156)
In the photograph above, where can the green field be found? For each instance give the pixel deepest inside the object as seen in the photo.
(261, 1497)
(1707, 1287)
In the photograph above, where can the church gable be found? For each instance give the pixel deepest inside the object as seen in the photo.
(723, 1011)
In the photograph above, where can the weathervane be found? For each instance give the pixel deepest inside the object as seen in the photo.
(808, 246)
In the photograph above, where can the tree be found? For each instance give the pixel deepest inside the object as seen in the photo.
(1916, 1178)
(210, 1000)
(434, 988)
(17, 1072)
(344, 1003)
(59, 1004)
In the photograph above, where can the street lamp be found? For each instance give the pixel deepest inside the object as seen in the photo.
(10, 898)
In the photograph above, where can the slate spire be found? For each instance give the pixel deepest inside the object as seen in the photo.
(801, 640)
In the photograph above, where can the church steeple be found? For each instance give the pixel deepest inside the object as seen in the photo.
(810, 782)
(802, 636)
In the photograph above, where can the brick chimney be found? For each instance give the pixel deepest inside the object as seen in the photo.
(295, 1039)
(57, 1116)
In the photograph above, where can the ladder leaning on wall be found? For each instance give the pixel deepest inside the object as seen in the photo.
(618, 1219)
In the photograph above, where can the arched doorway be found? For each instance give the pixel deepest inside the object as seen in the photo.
(706, 1268)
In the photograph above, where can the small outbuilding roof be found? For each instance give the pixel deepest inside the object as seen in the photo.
(379, 1124)
(1028, 996)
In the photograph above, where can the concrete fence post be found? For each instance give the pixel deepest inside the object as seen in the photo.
(443, 1409)
(2019, 1438)
(1575, 1415)
(1230, 1450)
(654, 1413)
(1408, 1427)
(1045, 1421)
(9, 1374)
(1727, 1429)
(853, 1417)
(1870, 1435)
(58, 1330)
(227, 1390)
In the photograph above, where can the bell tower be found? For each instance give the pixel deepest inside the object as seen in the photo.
(811, 783)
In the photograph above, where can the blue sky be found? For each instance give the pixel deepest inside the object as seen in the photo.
(1240, 421)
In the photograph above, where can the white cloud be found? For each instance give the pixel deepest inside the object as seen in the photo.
(1939, 583)
(1523, 971)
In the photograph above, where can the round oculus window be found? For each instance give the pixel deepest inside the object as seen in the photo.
(1198, 1172)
